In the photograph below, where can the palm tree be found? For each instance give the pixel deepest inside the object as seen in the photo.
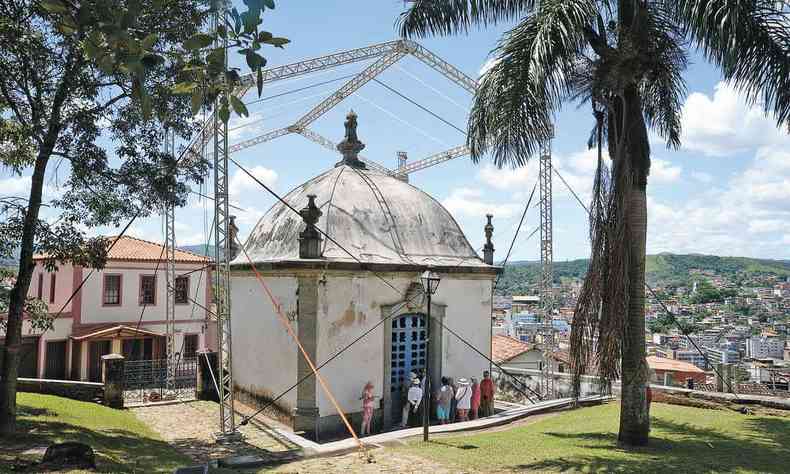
(626, 59)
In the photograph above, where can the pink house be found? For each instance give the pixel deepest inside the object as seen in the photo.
(119, 309)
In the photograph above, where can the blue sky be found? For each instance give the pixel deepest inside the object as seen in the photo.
(726, 192)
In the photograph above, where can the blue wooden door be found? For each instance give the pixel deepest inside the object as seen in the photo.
(408, 351)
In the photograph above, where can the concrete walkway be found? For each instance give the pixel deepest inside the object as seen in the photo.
(512, 413)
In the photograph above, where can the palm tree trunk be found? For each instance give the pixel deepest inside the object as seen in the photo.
(634, 414)
(634, 410)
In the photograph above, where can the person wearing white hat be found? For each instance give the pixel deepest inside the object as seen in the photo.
(413, 399)
(405, 403)
(464, 397)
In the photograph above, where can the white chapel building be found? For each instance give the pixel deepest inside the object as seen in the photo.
(383, 234)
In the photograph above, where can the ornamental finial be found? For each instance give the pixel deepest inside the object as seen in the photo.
(351, 146)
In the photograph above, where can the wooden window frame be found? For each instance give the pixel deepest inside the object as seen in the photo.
(186, 300)
(104, 290)
(140, 301)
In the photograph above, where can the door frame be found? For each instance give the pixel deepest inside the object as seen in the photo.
(435, 348)
(90, 361)
(65, 357)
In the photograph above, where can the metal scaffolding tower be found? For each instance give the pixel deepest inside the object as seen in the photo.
(170, 271)
(546, 264)
(222, 250)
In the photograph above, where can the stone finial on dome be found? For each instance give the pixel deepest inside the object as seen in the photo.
(351, 146)
(310, 238)
(488, 248)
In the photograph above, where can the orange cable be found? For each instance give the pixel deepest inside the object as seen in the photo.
(288, 326)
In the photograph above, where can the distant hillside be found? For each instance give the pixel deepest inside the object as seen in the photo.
(10, 262)
(664, 268)
(200, 249)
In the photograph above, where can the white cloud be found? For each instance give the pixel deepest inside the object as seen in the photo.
(468, 202)
(725, 124)
(702, 177)
(240, 127)
(662, 171)
(507, 179)
(139, 232)
(15, 186)
(748, 216)
(19, 186)
(760, 226)
(240, 181)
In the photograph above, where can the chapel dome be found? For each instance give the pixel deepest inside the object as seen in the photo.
(378, 218)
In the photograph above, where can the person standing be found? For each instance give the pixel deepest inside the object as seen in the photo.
(453, 401)
(486, 395)
(443, 398)
(405, 405)
(475, 402)
(415, 396)
(464, 399)
(367, 407)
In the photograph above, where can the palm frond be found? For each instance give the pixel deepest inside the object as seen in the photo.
(750, 41)
(662, 86)
(531, 76)
(447, 17)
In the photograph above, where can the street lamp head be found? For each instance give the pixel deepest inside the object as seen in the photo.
(430, 281)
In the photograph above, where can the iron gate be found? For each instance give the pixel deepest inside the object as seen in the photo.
(145, 381)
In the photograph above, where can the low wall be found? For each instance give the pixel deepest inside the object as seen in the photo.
(720, 397)
(85, 391)
(563, 381)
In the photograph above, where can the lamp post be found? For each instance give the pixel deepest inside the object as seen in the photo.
(430, 282)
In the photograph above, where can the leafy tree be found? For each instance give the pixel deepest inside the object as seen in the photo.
(626, 59)
(706, 293)
(665, 323)
(91, 88)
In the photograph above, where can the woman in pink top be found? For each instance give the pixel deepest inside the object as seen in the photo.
(367, 407)
(475, 399)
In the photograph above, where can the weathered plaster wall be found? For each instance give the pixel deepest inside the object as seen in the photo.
(351, 304)
(348, 306)
(468, 314)
(264, 355)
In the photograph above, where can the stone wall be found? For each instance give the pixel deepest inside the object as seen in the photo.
(85, 391)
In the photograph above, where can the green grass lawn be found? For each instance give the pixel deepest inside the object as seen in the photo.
(121, 442)
(683, 439)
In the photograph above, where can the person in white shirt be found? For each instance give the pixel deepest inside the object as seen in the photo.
(413, 399)
(464, 398)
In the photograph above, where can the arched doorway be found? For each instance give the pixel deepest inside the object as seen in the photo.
(408, 354)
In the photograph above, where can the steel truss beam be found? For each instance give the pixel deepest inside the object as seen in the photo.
(349, 88)
(390, 53)
(260, 139)
(435, 159)
(330, 145)
(290, 71)
(448, 70)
